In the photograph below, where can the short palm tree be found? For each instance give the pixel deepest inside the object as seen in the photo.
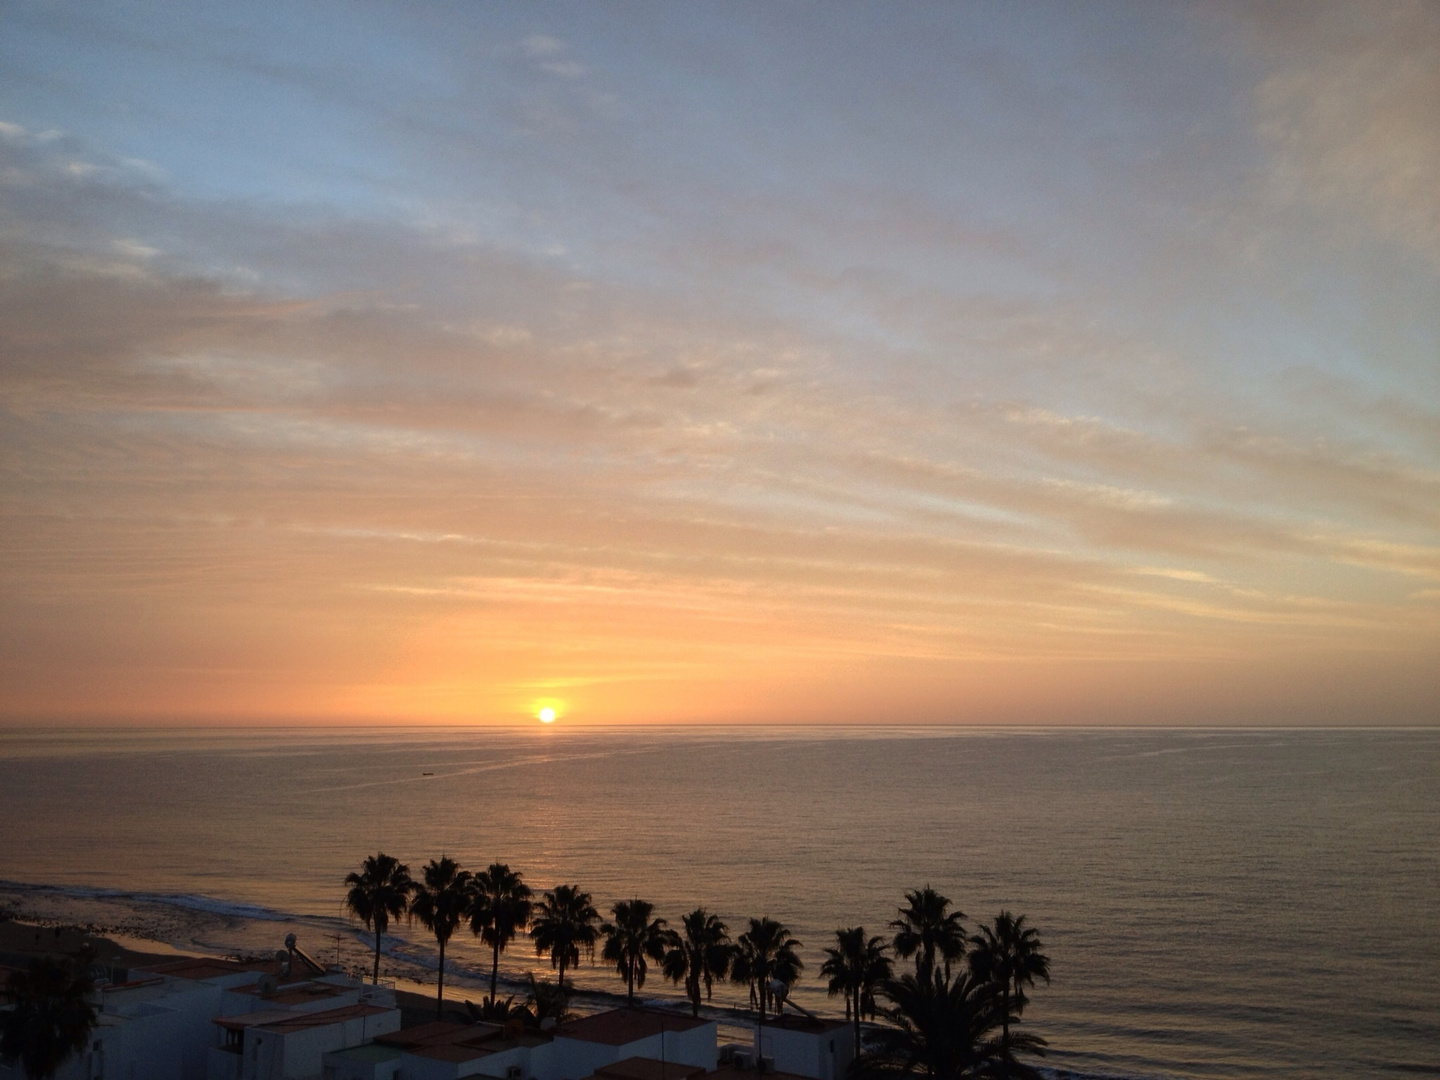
(699, 954)
(499, 909)
(440, 902)
(632, 939)
(378, 893)
(855, 967)
(927, 928)
(1007, 956)
(563, 925)
(942, 1029)
(764, 953)
(50, 1018)
(546, 1001)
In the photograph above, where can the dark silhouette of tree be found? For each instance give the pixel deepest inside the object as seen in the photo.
(764, 952)
(50, 1018)
(942, 1029)
(1007, 957)
(499, 909)
(855, 967)
(699, 954)
(378, 893)
(440, 902)
(632, 939)
(926, 929)
(564, 923)
(546, 1000)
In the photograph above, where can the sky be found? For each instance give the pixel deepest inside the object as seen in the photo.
(1007, 363)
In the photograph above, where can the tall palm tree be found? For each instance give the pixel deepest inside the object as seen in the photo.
(855, 967)
(500, 909)
(632, 939)
(766, 951)
(440, 902)
(927, 928)
(378, 893)
(564, 924)
(1007, 956)
(942, 1029)
(50, 1018)
(700, 954)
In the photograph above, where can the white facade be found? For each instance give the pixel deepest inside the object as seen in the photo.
(819, 1049)
(291, 1046)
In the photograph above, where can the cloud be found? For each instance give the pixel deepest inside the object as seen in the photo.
(1350, 112)
(706, 424)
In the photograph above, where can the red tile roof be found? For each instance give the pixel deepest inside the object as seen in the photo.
(730, 1072)
(644, 1068)
(616, 1027)
(438, 1032)
(269, 1021)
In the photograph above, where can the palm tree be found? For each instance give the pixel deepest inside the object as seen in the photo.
(701, 954)
(378, 893)
(440, 902)
(927, 928)
(766, 951)
(633, 938)
(500, 909)
(564, 924)
(942, 1029)
(50, 1018)
(855, 967)
(1007, 956)
(546, 1000)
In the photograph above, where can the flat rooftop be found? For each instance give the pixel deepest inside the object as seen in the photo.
(616, 1027)
(294, 993)
(198, 968)
(797, 1022)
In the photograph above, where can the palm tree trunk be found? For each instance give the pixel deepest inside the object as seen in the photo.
(440, 986)
(857, 1022)
(630, 984)
(494, 973)
(562, 974)
(1005, 1031)
(376, 978)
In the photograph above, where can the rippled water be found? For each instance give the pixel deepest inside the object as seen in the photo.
(1215, 904)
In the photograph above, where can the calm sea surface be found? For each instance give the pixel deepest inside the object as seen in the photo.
(1216, 904)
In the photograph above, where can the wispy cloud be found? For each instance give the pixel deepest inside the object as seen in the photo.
(699, 413)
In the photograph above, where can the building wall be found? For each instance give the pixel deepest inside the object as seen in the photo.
(824, 1055)
(575, 1058)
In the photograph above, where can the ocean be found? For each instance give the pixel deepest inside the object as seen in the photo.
(1214, 903)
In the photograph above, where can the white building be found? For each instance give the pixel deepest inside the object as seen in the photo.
(158, 1022)
(807, 1046)
(290, 1044)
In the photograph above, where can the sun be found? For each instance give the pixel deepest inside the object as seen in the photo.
(547, 715)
